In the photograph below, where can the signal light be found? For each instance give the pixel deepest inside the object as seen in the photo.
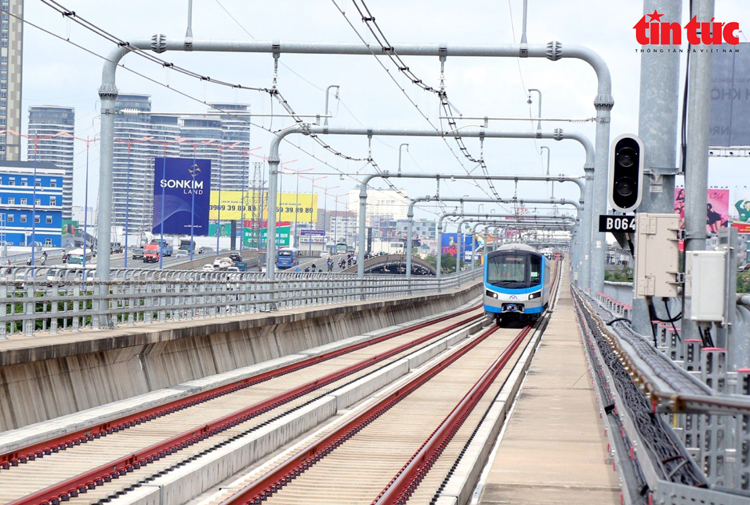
(625, 181)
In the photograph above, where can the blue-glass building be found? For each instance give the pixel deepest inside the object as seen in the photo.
(19, 217)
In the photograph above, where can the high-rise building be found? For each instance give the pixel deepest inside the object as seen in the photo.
(45, 144)
(225, 140)
(235, 162)
(382, 205)
(11, 65)
(139, 138)
(341, 226)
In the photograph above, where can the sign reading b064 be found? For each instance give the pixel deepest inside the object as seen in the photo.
(622, 224)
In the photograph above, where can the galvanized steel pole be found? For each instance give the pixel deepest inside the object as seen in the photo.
(696, 167)
(657, 128)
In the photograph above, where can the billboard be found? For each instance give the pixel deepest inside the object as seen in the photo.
(717, 210)
(730, 89)
(181, 185)
(282, 237)
(740, 209)
(69, 228)
(226, 229)
(449, 243)
(234, 207)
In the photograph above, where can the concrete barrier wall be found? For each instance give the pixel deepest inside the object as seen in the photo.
(64, 375)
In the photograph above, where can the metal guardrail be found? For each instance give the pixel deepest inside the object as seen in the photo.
(48, 300)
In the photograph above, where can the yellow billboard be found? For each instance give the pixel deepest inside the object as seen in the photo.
(234, 209)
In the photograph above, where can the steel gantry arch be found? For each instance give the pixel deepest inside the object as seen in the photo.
(410, 212)
(505, 224)
(533, 225)
(159, 43)
(273, 166)
(511, 219)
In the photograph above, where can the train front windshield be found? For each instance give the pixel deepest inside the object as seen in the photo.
(514, 270)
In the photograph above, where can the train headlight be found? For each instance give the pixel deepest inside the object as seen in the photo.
(535, 295)
(492, 294)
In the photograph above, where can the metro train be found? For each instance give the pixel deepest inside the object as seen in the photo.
(517, 283)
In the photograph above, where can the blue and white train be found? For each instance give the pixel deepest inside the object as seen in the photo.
(517, 283)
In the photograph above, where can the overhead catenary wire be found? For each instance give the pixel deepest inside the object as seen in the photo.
(390, 52)
(273, 91)
(175, 90)
(445, 104)
(300, 76)
(72, 16)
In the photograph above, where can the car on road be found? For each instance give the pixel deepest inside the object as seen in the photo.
(235, 257)
(181, 253)
(204, 250)
(222, 263)
(208, 267)
(137, 253)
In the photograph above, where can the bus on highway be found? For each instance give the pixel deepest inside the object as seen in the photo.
(287, 257)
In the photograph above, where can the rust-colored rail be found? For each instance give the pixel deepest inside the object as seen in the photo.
(273, 481)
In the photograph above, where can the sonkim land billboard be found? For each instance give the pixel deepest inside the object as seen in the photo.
(182, 188)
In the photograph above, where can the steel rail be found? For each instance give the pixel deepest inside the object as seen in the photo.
(89, 433)
(72, 487)
(273, 481)
(406, 481)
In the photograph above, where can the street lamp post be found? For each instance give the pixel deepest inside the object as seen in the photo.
(161, 227)
(325, 209)
(33, 198)
(194, 170)
(127, 205)
(312, 211)
(296, 198)
(86, 206)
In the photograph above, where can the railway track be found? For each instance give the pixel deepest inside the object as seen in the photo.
(101, 462)
(390, 450)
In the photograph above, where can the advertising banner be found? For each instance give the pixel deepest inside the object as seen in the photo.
(69, 227)
(740, 209)
(226, 229)
(234, 207)
(282, 237)
(717, 210)
(181, 185)
(316, 233)
(730, 90)
(449, 244)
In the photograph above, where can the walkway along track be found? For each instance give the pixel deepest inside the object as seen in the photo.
(382, 454)
(82, 462)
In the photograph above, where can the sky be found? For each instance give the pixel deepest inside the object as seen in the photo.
(58, 73)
